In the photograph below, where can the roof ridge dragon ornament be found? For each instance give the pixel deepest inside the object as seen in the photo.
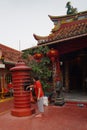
(70, 9)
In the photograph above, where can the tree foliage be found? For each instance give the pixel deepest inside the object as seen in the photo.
(42, 68)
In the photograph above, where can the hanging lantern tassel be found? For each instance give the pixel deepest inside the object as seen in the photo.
(52, 59)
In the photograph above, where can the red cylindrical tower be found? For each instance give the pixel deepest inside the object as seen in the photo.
(20, 76)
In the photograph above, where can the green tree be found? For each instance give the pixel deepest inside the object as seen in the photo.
(43, 68)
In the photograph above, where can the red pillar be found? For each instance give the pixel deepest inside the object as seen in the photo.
(22, 105)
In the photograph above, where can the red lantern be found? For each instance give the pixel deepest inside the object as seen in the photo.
(53, 54)
(38, 56)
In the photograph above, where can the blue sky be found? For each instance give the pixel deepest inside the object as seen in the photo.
(20, 19)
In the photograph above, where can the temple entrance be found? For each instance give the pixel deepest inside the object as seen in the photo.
(75, 71)
(76, 77)
(78, 73)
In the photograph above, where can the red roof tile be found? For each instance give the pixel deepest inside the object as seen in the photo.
(66, 27)
(10, 55)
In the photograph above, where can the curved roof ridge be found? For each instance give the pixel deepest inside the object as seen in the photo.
(37, 37)
(66, 16)
(74, 22)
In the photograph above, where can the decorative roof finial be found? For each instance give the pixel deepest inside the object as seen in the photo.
(70, 9)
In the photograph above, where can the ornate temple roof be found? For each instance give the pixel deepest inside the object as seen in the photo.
(65, 27)
(10, 55)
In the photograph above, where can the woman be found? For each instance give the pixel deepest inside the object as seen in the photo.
(39, 94)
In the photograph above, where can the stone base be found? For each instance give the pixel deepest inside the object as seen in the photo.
(22, 112)
(59, 101)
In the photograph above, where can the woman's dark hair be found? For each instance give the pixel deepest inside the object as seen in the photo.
(36, 78)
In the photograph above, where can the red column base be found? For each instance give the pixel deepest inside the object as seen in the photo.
(22, 112)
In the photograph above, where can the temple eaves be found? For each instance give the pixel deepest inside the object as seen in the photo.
(64, 27)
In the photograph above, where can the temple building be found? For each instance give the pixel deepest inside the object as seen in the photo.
(69, 37)
(8, 58)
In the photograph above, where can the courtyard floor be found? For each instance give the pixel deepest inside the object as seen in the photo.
(70, 116)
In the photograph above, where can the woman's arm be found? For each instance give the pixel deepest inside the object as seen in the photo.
(30, 86)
